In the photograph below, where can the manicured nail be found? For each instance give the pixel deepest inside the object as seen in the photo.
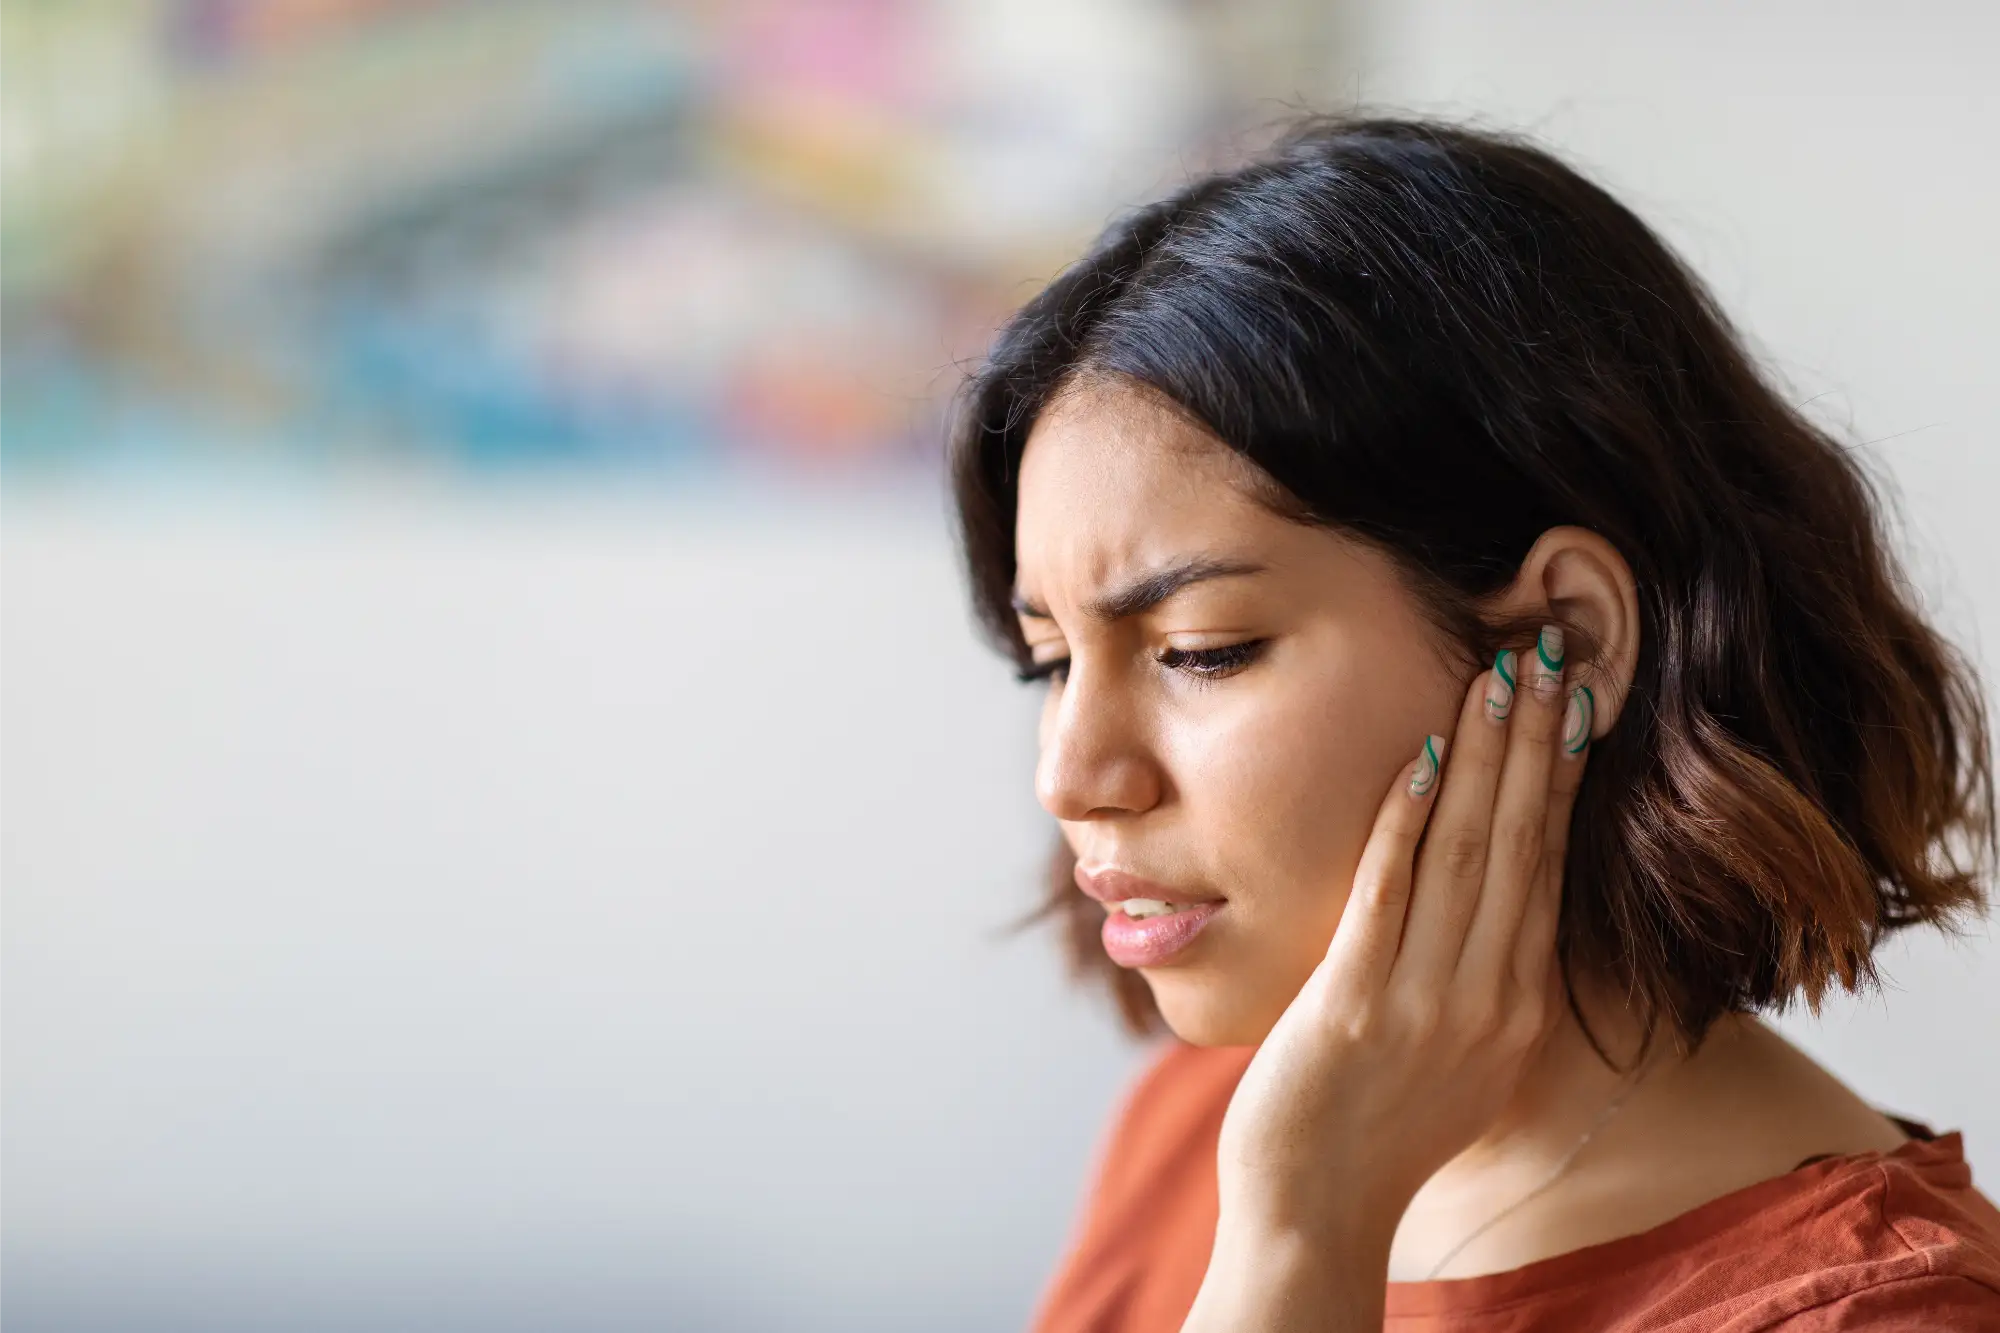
(1428, 765)
(1500, 685)
(1545, 669)
(1578, 719)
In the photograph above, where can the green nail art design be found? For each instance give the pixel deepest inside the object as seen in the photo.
(1550, 638)
(1577, 720)
(1426, 775)
(1500, 693)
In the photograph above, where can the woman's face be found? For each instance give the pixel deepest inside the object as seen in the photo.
(1230, 731)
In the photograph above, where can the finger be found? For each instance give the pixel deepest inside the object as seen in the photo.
(1535, 946)
(1514, 866)
(1451, 859)
(1371, 925)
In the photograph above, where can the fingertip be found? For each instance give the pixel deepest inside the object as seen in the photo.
(1579, 721)
(1497, 690)
(1430, 764)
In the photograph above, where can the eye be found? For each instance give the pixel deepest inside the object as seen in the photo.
(1056, 668)
(1203, 664)
(1206, 664)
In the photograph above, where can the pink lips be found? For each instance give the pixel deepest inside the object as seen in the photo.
(1144, 941)
(1151, 941)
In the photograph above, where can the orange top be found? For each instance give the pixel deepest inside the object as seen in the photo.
(1898, 1240)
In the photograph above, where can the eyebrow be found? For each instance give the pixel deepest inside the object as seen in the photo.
(1149, 590)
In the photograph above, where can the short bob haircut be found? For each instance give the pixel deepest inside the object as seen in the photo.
(1443, 341)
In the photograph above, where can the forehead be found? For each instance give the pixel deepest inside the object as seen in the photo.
(1112, 477)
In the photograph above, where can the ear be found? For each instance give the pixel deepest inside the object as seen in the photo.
(1582, 578)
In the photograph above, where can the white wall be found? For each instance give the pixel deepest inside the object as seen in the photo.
(518, 912)
(1830, 170)
(524, 914)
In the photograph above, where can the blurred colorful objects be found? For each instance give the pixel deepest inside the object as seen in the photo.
(427, 234)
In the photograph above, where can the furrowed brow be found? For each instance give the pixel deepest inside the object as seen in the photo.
(1147, 591)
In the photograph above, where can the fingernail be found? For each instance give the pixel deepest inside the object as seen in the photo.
(1578, 719)
(1428, 765)
(1545, 668)
(1500, 685)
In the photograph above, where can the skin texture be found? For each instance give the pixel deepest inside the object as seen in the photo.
(1416, 1072)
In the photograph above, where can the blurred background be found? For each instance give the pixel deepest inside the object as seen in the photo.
(507, 823)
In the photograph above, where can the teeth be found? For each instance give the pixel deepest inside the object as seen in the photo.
(1143, 907)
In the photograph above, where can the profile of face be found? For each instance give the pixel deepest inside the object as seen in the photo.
(1230, 730)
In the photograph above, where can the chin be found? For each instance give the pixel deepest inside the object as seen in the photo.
(1205, 1006)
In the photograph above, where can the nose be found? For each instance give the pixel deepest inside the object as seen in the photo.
(1095, 762)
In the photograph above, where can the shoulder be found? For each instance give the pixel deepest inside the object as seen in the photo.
(1881, 1241)
(1903, 1305)
(1917, 1205)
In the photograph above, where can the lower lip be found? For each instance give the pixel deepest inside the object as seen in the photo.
(1152, 940)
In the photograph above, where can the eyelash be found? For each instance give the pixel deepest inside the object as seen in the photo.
(1202, 665)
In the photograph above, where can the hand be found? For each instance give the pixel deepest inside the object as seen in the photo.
(1409, 1037)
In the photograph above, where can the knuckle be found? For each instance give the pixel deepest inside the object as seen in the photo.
(1551, 861)
(1536, 738)
(1361, 1026)
(1418, 1015)
(1465, 853)
(1529, 966)
(1481, 1023)
(1524, 1022)
(1387, 893)
(1520, 848)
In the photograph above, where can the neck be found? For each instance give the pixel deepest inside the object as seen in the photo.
(1563, 1095)
(1569, 1082)
(1748, 1106)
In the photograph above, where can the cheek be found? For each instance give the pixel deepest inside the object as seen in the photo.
(1287, 784)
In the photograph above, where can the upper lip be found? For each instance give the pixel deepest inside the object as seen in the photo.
(1109, 884)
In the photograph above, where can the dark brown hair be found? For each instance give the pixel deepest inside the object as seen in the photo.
(1444, 342)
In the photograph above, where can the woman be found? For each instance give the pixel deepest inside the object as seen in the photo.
(1472, 695)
